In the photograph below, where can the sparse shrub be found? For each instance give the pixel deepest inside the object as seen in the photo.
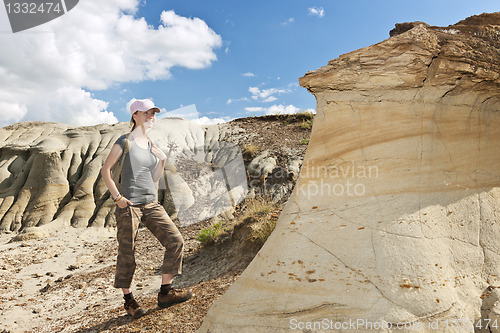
(304, 141)
(209, 235)
(306, 124)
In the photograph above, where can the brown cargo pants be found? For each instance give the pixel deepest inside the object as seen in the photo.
(154, 217)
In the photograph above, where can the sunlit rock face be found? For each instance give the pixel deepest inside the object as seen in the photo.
(396, 214)
(51, 172)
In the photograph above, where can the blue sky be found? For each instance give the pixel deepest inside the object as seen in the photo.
(240, 59)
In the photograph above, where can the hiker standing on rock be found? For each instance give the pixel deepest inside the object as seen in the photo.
(142, 165)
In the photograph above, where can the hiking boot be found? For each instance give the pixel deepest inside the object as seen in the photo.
(133, 308)
(174, 296)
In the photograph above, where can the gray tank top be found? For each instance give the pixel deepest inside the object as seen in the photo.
(137, 183)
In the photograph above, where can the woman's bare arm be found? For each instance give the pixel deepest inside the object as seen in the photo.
(114, 155)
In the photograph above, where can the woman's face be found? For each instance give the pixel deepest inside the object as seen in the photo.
(145, 117)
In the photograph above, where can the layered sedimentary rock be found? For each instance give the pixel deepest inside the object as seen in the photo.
(50, 172)
(395, 216)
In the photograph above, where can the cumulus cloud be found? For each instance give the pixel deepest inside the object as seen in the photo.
(270, 99)
(248, 74)
(317, 11)
(79, 107)
(46, 73)
(266, 95)
(211, 121)
(254, 109)
(282, 109)
(12, 112)
(278, 109)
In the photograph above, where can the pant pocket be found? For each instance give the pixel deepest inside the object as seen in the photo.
(122, 212)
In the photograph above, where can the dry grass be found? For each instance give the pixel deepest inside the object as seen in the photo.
(260, 213)
(305, 115)
(249, 151)
(263, 213)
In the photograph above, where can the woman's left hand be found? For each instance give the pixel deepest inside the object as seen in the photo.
(158, 153)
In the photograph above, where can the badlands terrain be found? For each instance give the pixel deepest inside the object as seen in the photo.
(58, 277)
(392, 220)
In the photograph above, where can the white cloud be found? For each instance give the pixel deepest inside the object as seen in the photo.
(282, 109)
(188, 112)
(270, 99)
(318, 11)
(248, 74)
(226, 44)
(211, 121)
(80, 108)
(12, 112)
(255, 92)
(254, 109)
(266, 95)
(229, 101)
(278, 109)
(290, 20)
(46, 72)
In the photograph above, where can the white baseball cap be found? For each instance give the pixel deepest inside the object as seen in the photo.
(143, 105)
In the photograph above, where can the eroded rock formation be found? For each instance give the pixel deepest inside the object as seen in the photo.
(50, 172)
(395, 216)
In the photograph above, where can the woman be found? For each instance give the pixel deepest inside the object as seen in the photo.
(142, 165)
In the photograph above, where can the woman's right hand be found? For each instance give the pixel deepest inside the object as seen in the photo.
(123, 202)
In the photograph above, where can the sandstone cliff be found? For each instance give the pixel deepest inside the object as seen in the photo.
(394, 218)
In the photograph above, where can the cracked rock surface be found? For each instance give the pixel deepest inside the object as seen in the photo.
(394, 217)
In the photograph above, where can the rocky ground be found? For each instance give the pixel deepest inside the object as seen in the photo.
(61, 280)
